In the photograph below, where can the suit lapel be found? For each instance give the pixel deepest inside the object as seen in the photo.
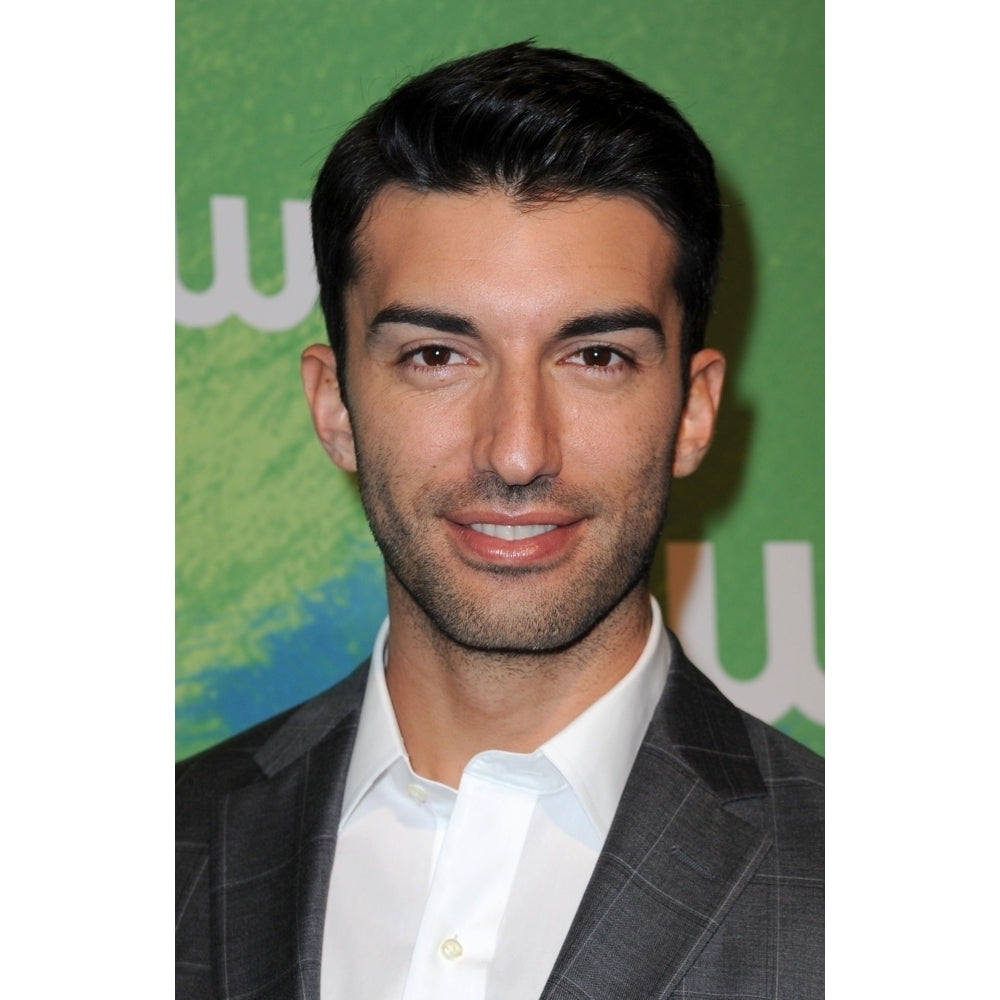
(675, 859)
(271, 861)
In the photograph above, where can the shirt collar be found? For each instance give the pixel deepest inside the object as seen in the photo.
(379, 744)
(594, 753)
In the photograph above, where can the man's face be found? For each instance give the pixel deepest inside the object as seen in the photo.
(515, 400)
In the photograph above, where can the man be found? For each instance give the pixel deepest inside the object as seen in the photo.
(530, 791)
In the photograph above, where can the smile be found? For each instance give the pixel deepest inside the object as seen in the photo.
(512, 532)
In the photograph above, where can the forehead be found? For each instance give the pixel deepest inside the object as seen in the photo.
(486, 251)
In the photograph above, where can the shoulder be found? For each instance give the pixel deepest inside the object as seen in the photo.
(714, 733)
(251, 756)
(795, 781)
(763, 775)
(775, 785)
(207, 780)
(782, 759)
(794, 777)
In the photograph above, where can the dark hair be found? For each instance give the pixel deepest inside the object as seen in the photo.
(540, 125)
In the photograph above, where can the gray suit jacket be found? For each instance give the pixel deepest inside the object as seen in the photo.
(710, 884)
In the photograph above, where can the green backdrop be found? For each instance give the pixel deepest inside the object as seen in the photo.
(279, 587)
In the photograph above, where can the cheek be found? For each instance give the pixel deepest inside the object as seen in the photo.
(413, 436)
(632, 439)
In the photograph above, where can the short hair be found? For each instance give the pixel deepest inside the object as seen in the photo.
(541, 125)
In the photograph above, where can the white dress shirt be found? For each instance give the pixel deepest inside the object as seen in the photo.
(438, 894)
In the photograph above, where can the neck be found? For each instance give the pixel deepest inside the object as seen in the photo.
(452, 702)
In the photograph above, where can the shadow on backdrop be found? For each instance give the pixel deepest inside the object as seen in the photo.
(709, 493)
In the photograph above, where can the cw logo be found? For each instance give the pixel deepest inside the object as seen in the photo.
(231, 292)
(791, 677)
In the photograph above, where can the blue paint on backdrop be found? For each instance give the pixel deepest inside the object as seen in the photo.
(299, 662)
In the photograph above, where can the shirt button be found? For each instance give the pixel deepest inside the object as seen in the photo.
(417, 793)
(451, 949)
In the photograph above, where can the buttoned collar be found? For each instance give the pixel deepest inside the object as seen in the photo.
(594, 753)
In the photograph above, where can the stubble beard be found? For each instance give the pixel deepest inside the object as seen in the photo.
(530, 615)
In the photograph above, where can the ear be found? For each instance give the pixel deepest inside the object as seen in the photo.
(329, 414)
(708, 369)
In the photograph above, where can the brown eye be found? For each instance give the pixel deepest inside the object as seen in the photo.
(600, 357)
(435, 355)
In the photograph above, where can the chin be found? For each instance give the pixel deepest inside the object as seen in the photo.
(539, 622)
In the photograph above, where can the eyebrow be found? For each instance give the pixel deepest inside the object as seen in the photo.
(612, 320)
(431, 319)
(606, 321)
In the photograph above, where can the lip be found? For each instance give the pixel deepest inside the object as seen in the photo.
(531, 550)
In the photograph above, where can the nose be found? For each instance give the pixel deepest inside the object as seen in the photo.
(517, 435)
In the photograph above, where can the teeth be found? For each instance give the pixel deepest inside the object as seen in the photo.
(512, 532)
